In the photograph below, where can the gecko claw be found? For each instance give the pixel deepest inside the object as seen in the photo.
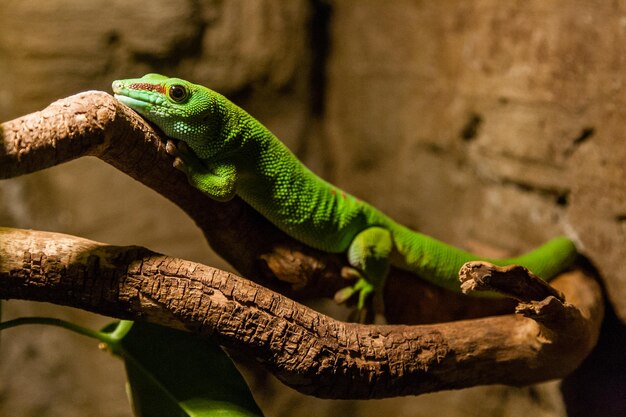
(170, 148)
(179, 164)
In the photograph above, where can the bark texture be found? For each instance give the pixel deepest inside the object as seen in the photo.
(308, 351)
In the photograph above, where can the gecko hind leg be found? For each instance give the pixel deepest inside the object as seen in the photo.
(368, 256)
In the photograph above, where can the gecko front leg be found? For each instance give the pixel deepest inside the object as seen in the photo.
(218, 180)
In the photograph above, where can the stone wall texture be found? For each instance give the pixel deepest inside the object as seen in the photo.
(491, 125)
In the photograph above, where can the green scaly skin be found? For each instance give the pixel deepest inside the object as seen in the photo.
(233, 154)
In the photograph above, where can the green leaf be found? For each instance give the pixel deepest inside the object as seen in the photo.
(171, 373)
(174, 373)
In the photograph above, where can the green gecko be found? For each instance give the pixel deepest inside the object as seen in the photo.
(234, 154)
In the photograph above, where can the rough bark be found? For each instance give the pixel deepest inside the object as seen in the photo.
(306, 350)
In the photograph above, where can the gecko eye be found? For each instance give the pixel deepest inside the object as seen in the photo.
(178, 93)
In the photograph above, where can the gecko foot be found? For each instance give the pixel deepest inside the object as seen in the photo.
(363, 291)
(184, 159)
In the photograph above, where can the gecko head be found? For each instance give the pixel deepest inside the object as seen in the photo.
(182, 110)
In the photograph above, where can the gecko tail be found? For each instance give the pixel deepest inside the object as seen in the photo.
(548, 260)
(440, 263)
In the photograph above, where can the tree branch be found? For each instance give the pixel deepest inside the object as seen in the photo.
(93, 123)
(306, 350)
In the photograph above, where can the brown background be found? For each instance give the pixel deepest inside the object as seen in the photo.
(490, 125)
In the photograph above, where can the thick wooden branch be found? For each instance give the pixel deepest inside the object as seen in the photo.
(308, 351)
(93, 123)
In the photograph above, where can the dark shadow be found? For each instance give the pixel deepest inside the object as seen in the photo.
(319, 42)
(598, 387)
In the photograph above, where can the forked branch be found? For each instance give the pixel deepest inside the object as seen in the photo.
(308, 351)
(94, 123)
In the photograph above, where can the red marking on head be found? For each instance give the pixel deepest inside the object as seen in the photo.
(147, 87)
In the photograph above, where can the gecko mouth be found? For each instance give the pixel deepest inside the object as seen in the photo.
(133, 103)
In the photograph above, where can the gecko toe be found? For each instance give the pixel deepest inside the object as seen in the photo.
(179, 164)
(170, 148)
(344, 294)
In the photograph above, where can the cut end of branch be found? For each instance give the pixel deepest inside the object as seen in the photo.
(513, 281)
(539, 310)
